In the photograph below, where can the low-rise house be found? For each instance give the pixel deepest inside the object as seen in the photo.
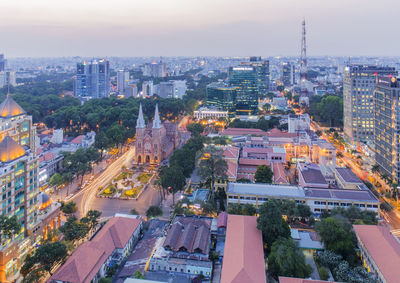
(379, 251)
(244, 253)
(186, 247)
(110, 246)
(280, 176)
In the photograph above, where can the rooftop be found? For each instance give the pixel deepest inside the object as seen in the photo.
(10, 150)
(10, 108)
(347, 175)
(253, 162)
(351, 195)
(86, 260)
(231, 152)
(298, 280)
(265, 189)
(244, 253)
(383, 248)
(242, 132)
(311, 174)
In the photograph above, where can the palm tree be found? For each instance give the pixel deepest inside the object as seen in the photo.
(375, 168)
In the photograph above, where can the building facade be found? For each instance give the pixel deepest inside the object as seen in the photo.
(147, 88)
(155, 70)
(19, 182)
(3, 62)
(387, 126)
(92, 79)
(122, 80)
(358, 101)
(245, 79)
(156, 141)
(287, 75)
(222, 97)
(7, 78)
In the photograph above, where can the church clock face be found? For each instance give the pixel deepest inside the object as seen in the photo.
(147, 146)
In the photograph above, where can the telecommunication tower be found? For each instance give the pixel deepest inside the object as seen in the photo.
(304, 95)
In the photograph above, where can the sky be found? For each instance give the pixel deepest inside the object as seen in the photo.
(52, 28)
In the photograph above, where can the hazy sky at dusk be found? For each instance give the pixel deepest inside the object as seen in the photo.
(197, 27)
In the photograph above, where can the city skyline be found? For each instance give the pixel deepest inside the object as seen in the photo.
(186, 28)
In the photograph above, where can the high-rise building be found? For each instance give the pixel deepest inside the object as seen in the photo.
(155, 70)
(222, 97)
(287, 76)
(3, 62)
(358, 101)
(148, 88)
(92, 79)
(262, 69)
(19, 169)
(386, 126)
(245, 79)
(7, 78)
(122, 80)
(131, 90)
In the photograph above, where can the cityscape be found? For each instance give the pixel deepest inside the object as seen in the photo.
(153, 163)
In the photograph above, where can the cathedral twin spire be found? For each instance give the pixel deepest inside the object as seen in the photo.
(156, 122)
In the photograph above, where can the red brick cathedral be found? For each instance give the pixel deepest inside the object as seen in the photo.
(156, 141)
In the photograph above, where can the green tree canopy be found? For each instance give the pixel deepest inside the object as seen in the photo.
(154, 212)
(286, 259)
(263, 174)
(195, 128)
(271, 223)
(211, 165)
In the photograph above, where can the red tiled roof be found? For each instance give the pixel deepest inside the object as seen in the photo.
(279, 174)
(232, 169)
(243, 254)
(258, 149)
(383, 248)
(276, 133)
(86, 260)
(78, 139)
(222, 219)
(299, 280)
(242, 132)
(255, 162)
(231, 152)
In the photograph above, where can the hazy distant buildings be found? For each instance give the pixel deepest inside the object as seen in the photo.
(387, 127)
(358, 101)
(2, 63)
(122, 80)
(131, 90)
(245, 79)
(92, 79)
(287, 75)
(7, 78)
(147, 88)
(221, 96)
(155, 70)
(172, 89)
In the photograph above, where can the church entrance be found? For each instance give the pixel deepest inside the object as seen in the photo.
(147, 158)
(155, 159)
(139, 159)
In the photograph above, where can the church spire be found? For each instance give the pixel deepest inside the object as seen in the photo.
(156, 121)
(140, 120)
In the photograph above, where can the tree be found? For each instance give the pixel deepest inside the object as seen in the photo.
(263, 174)
(69, 208)
(337, 236)
(46, 257)
(134, 212)
(248, 209)
(271, 223)
(209, 207)
(195, 129)
(173, 180)
(267, 107)
(235, 208)
(154, 212)
(91, 219)
(9, 226)
(243, 180)
(74, 230)
(211, 165)
(138, 275)
(105, 280)
(101, 142)
(286, 259)
(56, 180)
(375, 168)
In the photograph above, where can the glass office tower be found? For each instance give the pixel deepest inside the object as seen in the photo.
(245, 79)
(222, 97)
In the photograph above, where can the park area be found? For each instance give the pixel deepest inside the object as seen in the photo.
(127, 185)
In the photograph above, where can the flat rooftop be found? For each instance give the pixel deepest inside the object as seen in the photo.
(351, 195)
(348, 176)
(266, 189)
